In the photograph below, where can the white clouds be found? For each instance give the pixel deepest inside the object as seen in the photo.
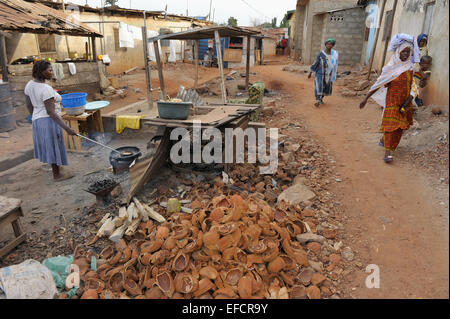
(224, 8)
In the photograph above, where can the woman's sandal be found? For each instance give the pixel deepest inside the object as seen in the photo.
(380, 143)
(388, 159)
(317, 103)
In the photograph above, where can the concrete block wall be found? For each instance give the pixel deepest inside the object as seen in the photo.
(317, 35)
(349, 34)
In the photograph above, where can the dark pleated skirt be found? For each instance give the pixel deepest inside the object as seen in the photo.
(48, 142)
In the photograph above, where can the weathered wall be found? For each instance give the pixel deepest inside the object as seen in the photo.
(122, 59)
(437, 90)
(312, 8)
(410, 18)
(270, 46)
(20, 45)
(349, 34)
(87, 79)
(317, 34)
(297, 30)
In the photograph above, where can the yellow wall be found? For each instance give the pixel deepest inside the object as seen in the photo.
(122, 59)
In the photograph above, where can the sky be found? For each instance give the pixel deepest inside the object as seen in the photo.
(245, 11)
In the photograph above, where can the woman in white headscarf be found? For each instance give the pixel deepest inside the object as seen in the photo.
(394, 90)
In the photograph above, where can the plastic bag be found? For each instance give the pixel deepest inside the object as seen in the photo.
(28, 280)
(59, 268)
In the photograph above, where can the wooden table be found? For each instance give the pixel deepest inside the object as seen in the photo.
(91, 120)
(221, 116)
(10, 212)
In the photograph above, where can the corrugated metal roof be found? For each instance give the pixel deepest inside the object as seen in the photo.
(26, 17)
(206, 33)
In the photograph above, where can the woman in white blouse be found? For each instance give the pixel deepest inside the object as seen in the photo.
(45, 105)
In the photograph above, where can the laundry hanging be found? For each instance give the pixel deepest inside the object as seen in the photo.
(173, 51)
(126, 39)
(151, 47)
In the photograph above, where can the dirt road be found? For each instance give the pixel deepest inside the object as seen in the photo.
(393, 213)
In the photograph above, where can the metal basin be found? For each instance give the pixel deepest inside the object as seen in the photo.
(174, 110)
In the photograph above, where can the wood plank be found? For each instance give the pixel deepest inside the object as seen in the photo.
(160, 72)
(247, 64)
(232, 55)
(196, 52)
(160, 158)
(8, 206)
(220, 62)
(12, 216)
(5, 250)
(17, 227)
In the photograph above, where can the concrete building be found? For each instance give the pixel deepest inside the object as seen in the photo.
(319, 19)
(107, 23)
(412, 17)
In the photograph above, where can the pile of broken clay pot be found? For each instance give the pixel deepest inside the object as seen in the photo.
(228, 247)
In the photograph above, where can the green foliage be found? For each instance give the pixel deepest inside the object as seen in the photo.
(232, 22)
(274, 23)
(111, 2)
(284, 23)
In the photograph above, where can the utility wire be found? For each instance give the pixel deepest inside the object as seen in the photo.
(256, 10)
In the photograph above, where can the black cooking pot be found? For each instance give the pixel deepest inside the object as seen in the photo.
(120, 163)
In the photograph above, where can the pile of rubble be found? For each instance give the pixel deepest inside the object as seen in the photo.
(229, 247)
(356, 83)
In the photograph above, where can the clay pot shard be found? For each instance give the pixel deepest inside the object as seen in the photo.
(289, 263)
(94, 283)
(226, 291)
(211, 239)
(107, 252)
(245, 287)
(203, 286)
(221, 201)
(166, 284)
(257, 247)
(180, 262)
(209, 272)
(185, 283)
(90, 294)
(116, 282)
(227, 229)
(225, 242)
(162, 232)
(151, 246)
(233, 276)
(132, 287)
(276, 265)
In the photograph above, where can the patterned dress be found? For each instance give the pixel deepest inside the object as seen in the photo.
(394, 122)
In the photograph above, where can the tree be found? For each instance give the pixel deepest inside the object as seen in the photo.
(274, 23)
(111, 2)
(284, 23)
(232, 22)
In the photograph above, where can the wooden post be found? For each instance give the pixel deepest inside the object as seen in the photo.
(160, 72)
(94, 50)
(196, 63)
(388, 37)
(219, 60)
(372, 55)
(247, 65)
(147, 67)
(3, 58)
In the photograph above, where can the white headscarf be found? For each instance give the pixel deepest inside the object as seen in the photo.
(392, 70)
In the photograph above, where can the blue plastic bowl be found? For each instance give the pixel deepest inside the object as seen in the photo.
(73, 100)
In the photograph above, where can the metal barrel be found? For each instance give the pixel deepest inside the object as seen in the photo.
(7, 114)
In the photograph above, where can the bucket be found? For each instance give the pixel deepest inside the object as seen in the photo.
(7, 114)
(174, 110)
(73, 100)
